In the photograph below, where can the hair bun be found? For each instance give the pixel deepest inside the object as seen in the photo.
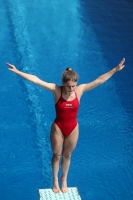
(69, 69)
(69, 75)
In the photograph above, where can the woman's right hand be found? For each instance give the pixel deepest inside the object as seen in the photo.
(12, 67)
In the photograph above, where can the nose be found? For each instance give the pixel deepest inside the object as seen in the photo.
(71, 87)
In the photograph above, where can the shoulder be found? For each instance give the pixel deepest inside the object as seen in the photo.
(79, 90)
(88, 86)
(57, 91)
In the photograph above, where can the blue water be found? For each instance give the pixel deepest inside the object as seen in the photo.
(43, 39)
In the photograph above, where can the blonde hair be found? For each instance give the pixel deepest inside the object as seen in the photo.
(69, 75)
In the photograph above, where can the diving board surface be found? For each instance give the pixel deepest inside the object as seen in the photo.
(48, 194)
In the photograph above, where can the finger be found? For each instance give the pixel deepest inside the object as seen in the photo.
(11, 66)
(8, 64)
(122, 67)
(122, 61)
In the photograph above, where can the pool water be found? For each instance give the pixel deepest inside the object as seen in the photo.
(43, 39)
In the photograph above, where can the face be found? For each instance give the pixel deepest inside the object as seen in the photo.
(70, 86)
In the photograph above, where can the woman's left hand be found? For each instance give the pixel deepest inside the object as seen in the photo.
(120, 66)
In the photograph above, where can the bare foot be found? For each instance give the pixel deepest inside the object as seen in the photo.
(56, 188)
(64, 188)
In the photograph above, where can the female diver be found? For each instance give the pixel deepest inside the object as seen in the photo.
(64, 129)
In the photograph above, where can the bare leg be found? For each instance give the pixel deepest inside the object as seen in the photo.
(69, 145)
(65, 168)
(56, 143)
(55, 169)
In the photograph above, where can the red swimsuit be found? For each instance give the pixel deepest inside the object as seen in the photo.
(66, 113)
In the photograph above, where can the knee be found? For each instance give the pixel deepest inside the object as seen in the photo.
(67, 156)
(56, 157)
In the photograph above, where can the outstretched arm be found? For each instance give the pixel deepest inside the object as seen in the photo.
(101, 79)
(32, 78)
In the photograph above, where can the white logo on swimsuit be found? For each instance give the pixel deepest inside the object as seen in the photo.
(68, 105)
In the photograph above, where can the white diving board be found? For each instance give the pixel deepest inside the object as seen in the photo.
(48, 194)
